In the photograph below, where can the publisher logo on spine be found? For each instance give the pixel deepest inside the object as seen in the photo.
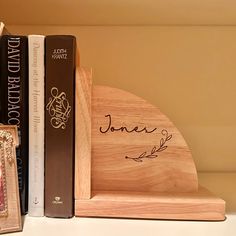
(57, 200)
(58, 108)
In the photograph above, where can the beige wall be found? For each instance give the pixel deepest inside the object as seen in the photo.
(189, 72)
(119, 12)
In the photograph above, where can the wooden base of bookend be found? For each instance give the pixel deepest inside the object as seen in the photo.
(10, 215)
(201, 205)
(139, 164)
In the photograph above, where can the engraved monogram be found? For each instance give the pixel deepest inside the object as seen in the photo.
(59, 109)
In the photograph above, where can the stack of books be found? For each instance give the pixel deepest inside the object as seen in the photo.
(37, 93)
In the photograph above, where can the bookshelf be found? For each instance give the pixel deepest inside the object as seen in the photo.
(185, 52)
(220, 183)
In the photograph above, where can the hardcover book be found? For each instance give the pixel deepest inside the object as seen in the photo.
(59, 125)
(36, 125)
(14, 102)
(3, 29)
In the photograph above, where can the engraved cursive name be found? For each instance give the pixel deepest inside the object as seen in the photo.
(59, 109)
(124, 128)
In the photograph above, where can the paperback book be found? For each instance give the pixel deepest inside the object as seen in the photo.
(36, 125)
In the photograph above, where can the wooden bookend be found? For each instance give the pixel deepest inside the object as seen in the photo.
(83, 134)
(10, 216)
(141, 166)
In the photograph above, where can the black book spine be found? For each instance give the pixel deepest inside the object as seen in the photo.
(14, 102)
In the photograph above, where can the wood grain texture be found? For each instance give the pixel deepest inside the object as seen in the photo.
(141, 164)
(200, 205)
(129, 157)
(83, 134)
(77, 56)
(12, 221)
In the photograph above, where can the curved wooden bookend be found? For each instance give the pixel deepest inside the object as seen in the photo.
(141, 166)
(10, 216)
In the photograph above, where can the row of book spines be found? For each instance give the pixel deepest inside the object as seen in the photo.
(58, 53)
(15, 110)
(53, 207)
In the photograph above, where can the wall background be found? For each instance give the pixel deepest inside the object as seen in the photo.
(189, 72)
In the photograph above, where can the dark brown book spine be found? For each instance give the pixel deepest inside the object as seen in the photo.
(59, 125)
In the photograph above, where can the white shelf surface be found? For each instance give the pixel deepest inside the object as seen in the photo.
(222, 184)
(125, 227)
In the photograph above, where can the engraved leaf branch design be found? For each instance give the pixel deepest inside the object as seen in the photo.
(155, 150)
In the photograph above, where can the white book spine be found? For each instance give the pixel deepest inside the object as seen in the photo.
(36, 125)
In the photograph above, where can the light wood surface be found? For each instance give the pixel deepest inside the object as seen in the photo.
(83, 134)
(201, 205)
(135, 147)
(141, 165)
(12, 220)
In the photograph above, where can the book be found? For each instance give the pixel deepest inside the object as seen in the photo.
(36, 125)
(3, 29)
(14, 102)
(59, 125)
